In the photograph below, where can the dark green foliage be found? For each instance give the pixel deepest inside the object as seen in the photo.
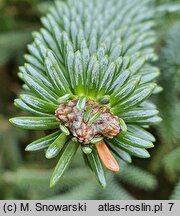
(168, 98)
(168, 155)
(168, 101)
(115, 189)
(138, 178)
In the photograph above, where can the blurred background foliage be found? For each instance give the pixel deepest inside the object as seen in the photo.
(26, 175)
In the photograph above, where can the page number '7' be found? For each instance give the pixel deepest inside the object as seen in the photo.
(171, 205)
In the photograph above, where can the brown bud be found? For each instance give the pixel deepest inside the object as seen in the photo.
(106, 124)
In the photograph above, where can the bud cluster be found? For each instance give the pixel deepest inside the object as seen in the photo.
(90, 122)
